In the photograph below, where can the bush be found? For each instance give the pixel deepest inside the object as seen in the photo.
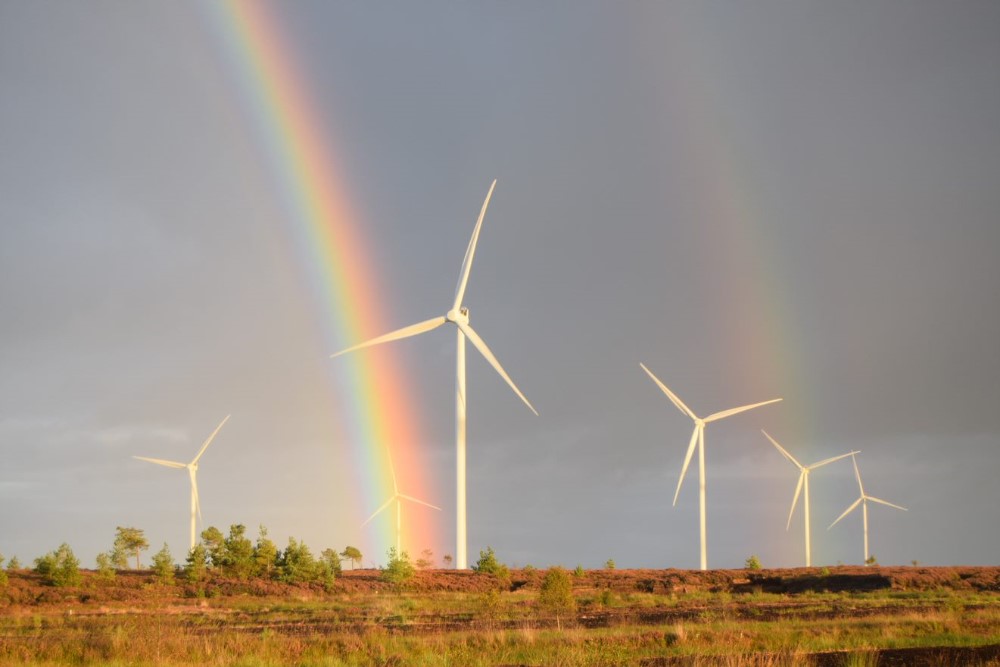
(13, 564)
(196, 565)
(488, 564)
(578, 572)
(105, 568)
(753, 563)
(609, 564)
(297, 564)
(399, 569)
(59, 567)
(556, 594)
(163, 565)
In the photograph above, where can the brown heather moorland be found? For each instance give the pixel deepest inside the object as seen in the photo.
(804, 616)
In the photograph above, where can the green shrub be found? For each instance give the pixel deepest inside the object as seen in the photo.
(163, 565)
(196, 565)
(59, 567)
(13, 564)
(297, 564)
(399, 569)
(753, 563)
(105, 568)
(556, 594)
(609, 564)
(578, 572)
(488, 564)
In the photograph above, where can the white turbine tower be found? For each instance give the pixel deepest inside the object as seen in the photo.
(698, 437)
(459, 316)
(399, 498)
(803, 485)
(192, 469)
(863, 501)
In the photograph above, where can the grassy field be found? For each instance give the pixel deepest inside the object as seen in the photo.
(847, 616)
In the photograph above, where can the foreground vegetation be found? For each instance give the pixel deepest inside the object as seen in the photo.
(847, 616)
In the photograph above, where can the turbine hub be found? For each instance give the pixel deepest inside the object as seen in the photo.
(458, 315)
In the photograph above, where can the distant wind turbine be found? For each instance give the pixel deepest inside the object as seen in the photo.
(459, 316)
(192, 469)
(399, 498)
(803, 485)
(863, 501)
(698, 437)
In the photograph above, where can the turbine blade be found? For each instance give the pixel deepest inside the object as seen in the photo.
(846, 512)
(169, 464)
(484, 350)
(687, 461)
(857, 475)
(378, 511)
(795, 498)
(885, 502)
(671, 395)
(405, 332)
(463, 278)
(783, 451)
(733, 411)
(210, 438)
(417, 500)
(830, 460)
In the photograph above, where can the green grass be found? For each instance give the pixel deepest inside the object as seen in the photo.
(379, 629)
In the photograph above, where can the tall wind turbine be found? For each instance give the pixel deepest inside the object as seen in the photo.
(803, 485)
(459, 316)
(192, 469)
(863, 501)
(399, 498)
(698, 437)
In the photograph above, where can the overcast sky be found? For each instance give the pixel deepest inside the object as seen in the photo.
(754, 199)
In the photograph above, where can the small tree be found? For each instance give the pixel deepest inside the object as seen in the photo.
(59, 567)
(871, 560)
(265, 555)
(609, 564)
(578, 572)
(556, 594)
(399, 569)
(196, 566)
(297, 564)
(213, 539)
(328, 567)
(352, 554)
(163, 565)
(447, 560)
(105, 568)
(128, 542)
(238, 554)
(13, 564)
(752, 563)
(426, 560)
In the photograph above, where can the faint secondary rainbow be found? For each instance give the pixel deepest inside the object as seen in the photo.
(759, 343)
(376, 408)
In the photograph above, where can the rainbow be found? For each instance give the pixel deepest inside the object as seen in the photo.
(373, 391)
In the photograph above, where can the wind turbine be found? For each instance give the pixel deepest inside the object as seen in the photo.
(459, 316)
(803, 484)
(698, 437)
(399, 498)
(863, 501)
(192, 469)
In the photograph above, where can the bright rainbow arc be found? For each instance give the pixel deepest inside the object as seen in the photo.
(378, 410)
